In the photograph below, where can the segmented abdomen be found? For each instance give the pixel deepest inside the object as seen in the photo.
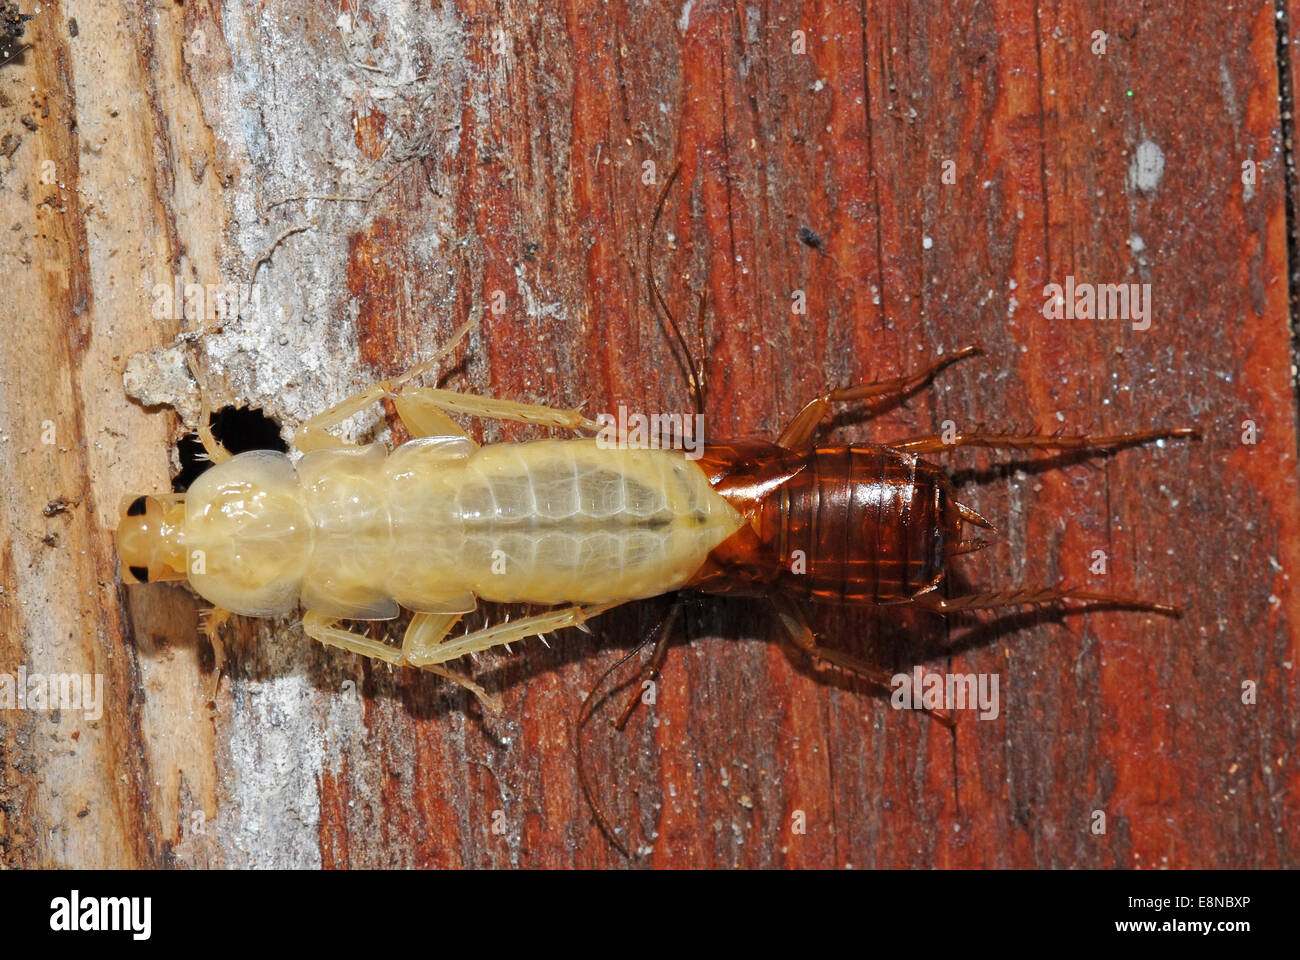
(564, 520)
(858, 524)
(867, 521)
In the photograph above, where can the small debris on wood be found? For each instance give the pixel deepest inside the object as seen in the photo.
(810, 238)
(12, 26)
(161, 377)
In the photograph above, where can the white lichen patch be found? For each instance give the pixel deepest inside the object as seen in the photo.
(276, 756)
(1146, 167)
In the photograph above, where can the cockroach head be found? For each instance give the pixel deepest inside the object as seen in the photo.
(145, 536)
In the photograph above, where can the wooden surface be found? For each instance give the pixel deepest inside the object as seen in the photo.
(175, 130)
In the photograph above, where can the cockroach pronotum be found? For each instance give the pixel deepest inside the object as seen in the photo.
(439, 524)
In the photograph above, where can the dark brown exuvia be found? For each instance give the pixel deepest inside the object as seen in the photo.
(867, 524)
(862, 524)
(849, 524)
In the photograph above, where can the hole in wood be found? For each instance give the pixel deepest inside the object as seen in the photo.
(238, 429)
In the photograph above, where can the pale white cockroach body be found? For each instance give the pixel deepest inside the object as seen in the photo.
(437, 524)
(576, 526)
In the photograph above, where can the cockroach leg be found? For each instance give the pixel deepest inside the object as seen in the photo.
(1002, 441)
(325, 630)
(211, 445)
(211, 621)
(491, 408)
(1030, 596)
(798, 435)
(424, 419)
(419, 647)
(420, 416)
(312, 436)
(495, 636)
(426, 406)
(442, 353)
(653, 665)
(425, 632)
(491, 702)
(800, 632)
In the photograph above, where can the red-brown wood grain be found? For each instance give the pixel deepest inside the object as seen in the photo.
(505, 148)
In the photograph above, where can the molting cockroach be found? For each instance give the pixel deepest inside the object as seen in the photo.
(439, 524)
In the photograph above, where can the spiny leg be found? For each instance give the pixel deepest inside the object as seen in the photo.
(419, 648)
(421, 418)
(1029, 596)
(425, 405)
(325, 629)
(421, 410)
(1002, 441)
(423, 633)
(491, 408)
(799, 434)
(312, 436)
(211, 621)
(422, 368)
(495, 636)
(799, 631)
(424, 419)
